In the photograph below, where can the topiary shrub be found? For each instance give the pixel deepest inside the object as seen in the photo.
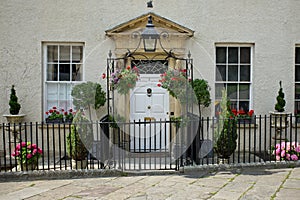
(201, 90)
(88, 95)
(80, 138)
(226, 132)
(13, 102)
(279, 106)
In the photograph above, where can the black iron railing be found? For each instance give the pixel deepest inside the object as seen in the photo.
(147, 144)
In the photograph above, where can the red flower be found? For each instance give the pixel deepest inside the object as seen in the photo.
(128, 67)
(242, 112)
(103, 76)
(71, 110)
(159, 84)
(234, 112)
(65, 113)
(250, 113)
(51, 111)
(54, 108)
(47, 113)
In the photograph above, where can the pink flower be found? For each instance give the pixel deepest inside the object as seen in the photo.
(40, 151)
(294, 157)
(29, 156)
(277, 158)
(34, 151)
(282, 153)
(288, 156)
(297, 149)
(277, 151)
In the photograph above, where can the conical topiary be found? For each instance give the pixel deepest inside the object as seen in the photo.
(279, 106)
(13, 102)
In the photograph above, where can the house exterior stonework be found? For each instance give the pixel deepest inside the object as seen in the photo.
(269, 29)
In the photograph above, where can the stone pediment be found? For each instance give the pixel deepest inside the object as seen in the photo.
(139, 23)
(126, 35)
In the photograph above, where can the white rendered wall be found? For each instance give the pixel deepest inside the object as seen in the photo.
(272, 26)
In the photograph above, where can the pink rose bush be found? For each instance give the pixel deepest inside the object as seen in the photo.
(25, 152)
(287, 151)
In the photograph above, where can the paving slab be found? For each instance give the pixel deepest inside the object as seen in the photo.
(230, 184)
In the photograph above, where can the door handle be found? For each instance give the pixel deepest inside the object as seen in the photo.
(149, 107)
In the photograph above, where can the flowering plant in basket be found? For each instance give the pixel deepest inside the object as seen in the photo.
(125, 79)
(175, 81)
(54, 115)
(69, 115)
(286, 151)
(243, 116)
(25, 152)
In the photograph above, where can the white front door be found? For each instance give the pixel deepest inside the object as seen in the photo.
(149, 103)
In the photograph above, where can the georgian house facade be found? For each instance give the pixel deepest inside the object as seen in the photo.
(47, 47)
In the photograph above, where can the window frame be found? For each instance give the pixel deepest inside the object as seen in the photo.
(297, 46)
(60, 83)
(238, 45)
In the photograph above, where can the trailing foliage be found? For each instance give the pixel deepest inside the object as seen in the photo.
(13, 102)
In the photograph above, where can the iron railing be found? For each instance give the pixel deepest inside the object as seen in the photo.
(147, 144)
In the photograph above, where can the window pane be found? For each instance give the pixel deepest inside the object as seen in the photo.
(232, 54)
(244, 90)
(297, 55)
(232, 91)
(297, 91)
(297, 73)
(233, 105)
(244, 105)
(297, 107)
(77, 54)
(64, 72)
(64, 54)
(244, 73)
(245, 55)
(218, 90)
(76, 72)
(221, 54)
(52, 53)
(221, 73)
(233, 73)
(52, 70)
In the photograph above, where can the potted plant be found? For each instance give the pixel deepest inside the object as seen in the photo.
(79, 140)
(286, 151)
(27, 155)
(14, 109)
(54, 115)
(177, 84)
(69, 115)
(244, 117)
(88, 96)
(124, 80)
(279, 118)
(201, 90)
(225, 135)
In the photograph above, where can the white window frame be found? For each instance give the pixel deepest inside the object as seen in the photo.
(45, 65)
(251, 45)
(295, 82)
